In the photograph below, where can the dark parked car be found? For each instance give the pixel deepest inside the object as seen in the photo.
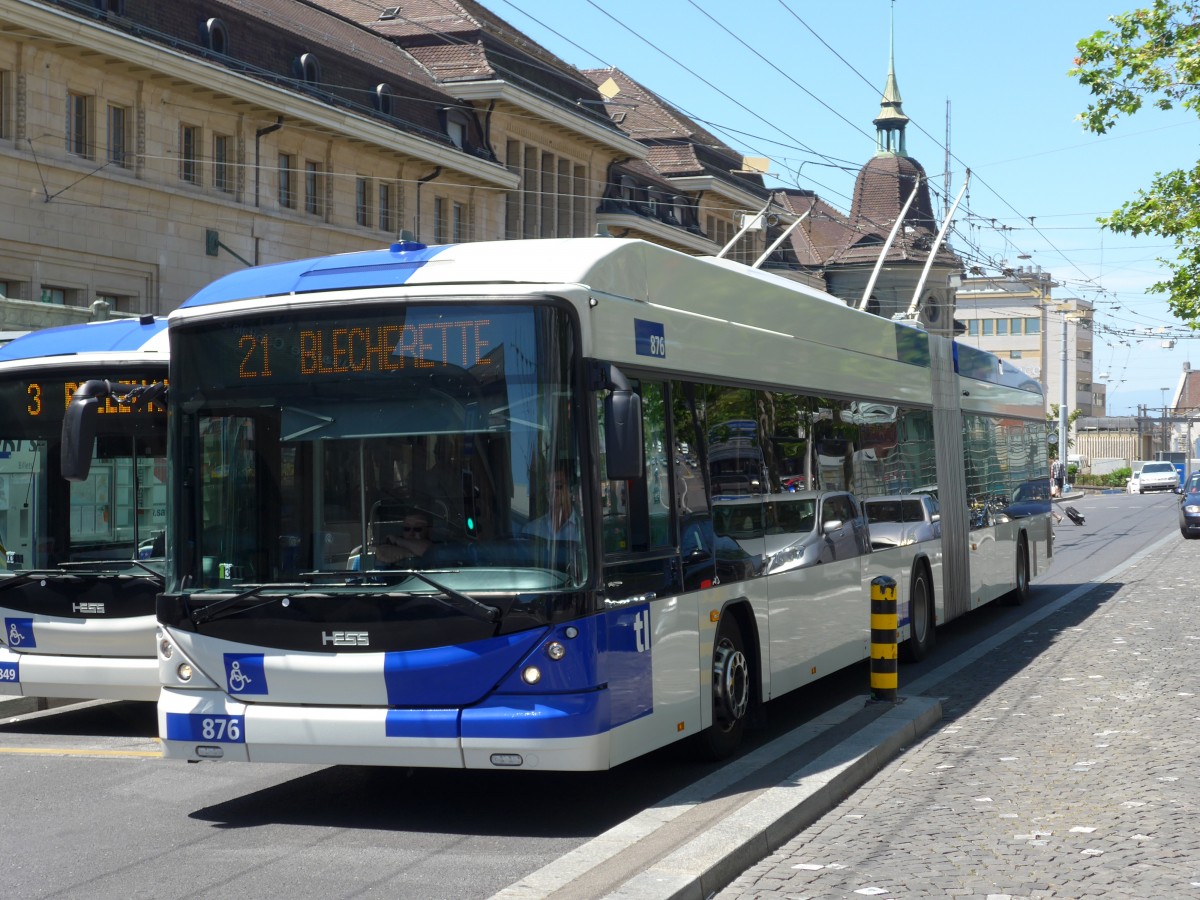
(1189, 513)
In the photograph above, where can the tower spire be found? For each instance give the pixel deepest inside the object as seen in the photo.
(889, 124)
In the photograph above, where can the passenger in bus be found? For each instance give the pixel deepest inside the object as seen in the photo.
(561, 521)
(411, 543)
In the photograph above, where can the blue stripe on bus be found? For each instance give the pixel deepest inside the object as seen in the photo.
(370, 268)
(112, 335)
(421, 723)
(543, 717)
(630, 663)
(454, 675)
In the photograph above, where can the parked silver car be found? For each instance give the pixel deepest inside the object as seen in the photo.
(900, 519)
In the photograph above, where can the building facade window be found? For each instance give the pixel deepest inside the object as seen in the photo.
(6, 104)
(119, 302)
(287, 190)
(989, 326)
(1033, 326)
(11, 290)
(973, 328)
(55, 295)
(1002, 327)
(362, 201)
(79, 124)
(189, 153)
(314, 189)
(387, 207)
(458, 223)
(1016, 354)
(223, 163)
(439, 221)
(118, 135)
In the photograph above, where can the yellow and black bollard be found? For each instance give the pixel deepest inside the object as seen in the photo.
(885, 666)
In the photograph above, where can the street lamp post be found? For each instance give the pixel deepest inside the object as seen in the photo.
(1166, 445)
(1062, 398)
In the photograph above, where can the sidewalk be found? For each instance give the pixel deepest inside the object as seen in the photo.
(1064, 766)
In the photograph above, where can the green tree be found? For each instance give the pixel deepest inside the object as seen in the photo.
(1151, 56)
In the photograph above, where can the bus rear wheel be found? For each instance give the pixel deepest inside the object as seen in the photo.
(921, 634)
(731, 690)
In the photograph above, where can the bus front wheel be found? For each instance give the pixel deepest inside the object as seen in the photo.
(731, 689)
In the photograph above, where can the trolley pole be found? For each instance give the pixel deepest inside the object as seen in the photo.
(885, 665)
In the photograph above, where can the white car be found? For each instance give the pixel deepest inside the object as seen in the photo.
(1157, 476)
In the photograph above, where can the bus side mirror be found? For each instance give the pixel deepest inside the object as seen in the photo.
(79, 429)
(623, 435)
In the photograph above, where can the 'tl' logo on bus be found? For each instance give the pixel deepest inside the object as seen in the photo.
(641, 630)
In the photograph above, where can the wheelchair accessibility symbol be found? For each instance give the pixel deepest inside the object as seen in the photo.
(245, 673)
(19, 633)
(238, 680)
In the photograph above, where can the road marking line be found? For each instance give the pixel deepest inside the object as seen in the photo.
(68, 751)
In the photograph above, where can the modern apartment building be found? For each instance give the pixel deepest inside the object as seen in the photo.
(1014, 316)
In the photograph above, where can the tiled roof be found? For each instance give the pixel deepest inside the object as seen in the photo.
(880, 192)
(1189, 392)
(461, 41)
(313, 21)
(266, 37)
(647, 116)
(822, 233)
(676, 145)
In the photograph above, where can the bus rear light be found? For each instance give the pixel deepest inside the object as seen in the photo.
(531, 675)
(205, 751)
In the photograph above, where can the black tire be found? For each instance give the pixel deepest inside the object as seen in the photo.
(1020, 593)
(732, 690)
(922, 633)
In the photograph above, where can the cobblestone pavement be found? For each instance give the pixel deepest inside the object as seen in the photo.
(1065, 766)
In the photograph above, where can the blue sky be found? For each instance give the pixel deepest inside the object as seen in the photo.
(805, 90)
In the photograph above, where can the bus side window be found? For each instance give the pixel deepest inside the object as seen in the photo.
(638, 530)
(637, 513)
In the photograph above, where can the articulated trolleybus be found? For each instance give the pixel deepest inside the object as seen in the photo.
(554, 504)
(82, 560)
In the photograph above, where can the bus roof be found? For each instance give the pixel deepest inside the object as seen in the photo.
(147, 334)
(618, 266)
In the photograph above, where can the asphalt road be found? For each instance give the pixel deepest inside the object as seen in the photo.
(91, 811)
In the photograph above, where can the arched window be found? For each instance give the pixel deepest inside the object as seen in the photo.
(215, 36)
(383, 97)
(310, 69)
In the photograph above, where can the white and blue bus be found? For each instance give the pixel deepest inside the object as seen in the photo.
(431, 506)
(82, 560)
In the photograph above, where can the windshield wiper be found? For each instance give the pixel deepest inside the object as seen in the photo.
(456, 600)
(213, 610)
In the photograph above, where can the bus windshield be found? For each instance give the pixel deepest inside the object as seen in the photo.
(118, 513)
(345, 451)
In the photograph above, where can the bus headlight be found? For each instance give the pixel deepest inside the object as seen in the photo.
(184, 671)
(166, 648)
(531, 675)
(555, 650)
